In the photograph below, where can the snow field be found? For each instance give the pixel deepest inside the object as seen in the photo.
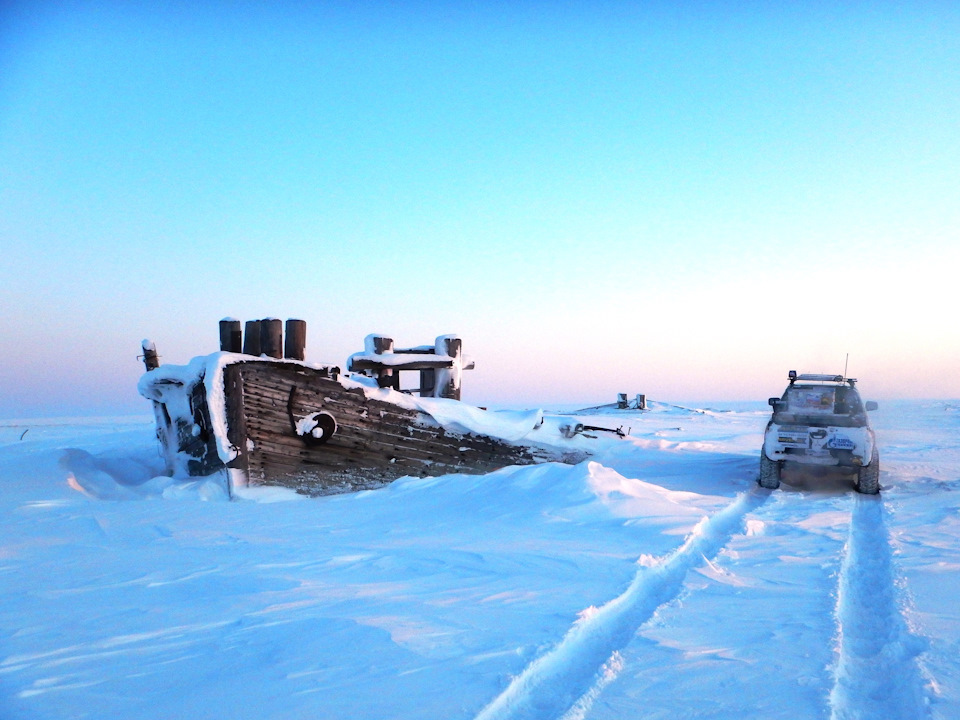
(515, 594)
(751, 632)
(876, 672)
(588, 658)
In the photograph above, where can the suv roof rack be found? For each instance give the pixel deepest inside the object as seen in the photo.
(813, 377)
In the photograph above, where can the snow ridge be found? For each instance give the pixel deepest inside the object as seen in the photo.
(876, 674)
(566, 680)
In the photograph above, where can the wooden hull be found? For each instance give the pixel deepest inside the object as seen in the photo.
(253, 417)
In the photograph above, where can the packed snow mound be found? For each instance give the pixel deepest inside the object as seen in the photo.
(588, 487)
(629, 497)
(120, 478)
(588, 490)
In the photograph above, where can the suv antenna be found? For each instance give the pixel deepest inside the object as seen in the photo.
(845, 363)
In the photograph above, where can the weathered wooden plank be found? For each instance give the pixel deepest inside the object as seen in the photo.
(377, 431)
(415, 362)
(384, 450)
(270, 455)
(307, 401)
(236, 421)
(423, 443)
(272, 464)
(384, 454)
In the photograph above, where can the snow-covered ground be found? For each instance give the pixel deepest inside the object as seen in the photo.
(655, 580)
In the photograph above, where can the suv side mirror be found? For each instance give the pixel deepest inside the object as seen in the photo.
(870, 405)
(772, 402)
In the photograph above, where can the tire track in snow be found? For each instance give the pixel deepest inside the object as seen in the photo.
(564, 682)
(876, 674)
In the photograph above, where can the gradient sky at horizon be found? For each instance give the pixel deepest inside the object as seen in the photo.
(599, 197)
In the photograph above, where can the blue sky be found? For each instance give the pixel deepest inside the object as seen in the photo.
(598, 197)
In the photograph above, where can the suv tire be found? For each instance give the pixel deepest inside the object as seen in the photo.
(769, 472)
(868, 478)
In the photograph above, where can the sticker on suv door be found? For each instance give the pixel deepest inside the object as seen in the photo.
(792, 438)
(838, 442)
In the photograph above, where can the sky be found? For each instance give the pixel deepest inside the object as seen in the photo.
(598, 197)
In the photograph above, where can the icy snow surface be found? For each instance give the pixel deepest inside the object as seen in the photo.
(654, 580)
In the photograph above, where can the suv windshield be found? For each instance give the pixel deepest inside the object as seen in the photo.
(821, 405)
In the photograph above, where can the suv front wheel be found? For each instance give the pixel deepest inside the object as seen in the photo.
(769, 472)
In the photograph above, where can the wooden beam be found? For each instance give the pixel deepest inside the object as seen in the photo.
(397, 362)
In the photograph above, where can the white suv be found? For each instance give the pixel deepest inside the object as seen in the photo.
(820, 420)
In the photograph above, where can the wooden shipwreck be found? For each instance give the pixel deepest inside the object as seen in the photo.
(259, 414)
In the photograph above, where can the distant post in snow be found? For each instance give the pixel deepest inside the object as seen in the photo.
(295, 341)
(251, 338)
(231, 337)
(271, 337)
(150, 358)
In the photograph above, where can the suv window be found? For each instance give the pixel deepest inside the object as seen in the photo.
(821, 405)
(847, 402)
(806, 400)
